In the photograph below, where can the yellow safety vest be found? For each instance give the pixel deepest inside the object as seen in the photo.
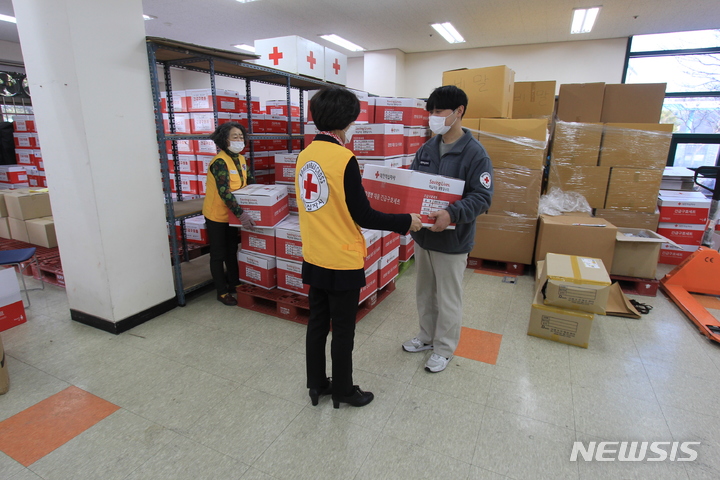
(214, 207)
(331, 238)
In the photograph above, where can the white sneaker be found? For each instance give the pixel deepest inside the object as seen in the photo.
(437, 363)
(415, 345)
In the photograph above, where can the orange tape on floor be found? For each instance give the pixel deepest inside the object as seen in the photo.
(36, 431)
(479, 345)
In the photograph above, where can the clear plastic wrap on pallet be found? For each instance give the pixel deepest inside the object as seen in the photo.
(517, 191)
(589, 181)
(576, 144)
(635, 145)
(556, 202)
(633, 189)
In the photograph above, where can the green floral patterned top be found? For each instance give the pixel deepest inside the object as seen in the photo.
(222, 179)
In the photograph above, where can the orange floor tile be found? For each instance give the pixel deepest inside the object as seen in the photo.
(479, 345)
(40, 429)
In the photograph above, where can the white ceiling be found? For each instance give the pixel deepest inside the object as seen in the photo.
(405, 24)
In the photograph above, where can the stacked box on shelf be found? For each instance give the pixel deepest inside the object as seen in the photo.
(292, 54)
(490, 90)
(379, 144)
(683, 219)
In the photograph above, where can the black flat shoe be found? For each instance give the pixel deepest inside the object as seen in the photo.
(227, 299)
(357, 399)
(316, 392)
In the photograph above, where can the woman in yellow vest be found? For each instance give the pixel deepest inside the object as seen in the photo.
(227, 172)
(332, 207)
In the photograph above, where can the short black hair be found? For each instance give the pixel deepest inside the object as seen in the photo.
(448, 97)
(222, 132)
(334, 108)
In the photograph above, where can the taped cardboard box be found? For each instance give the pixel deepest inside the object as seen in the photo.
(580, 102)
(590, 182)
(490, 90)
(633, 102)
(5, 228)
(26, 204)
(41, 231)
(517, 192)
(623, 218)
(505, 238)
(576, 235)
(576, 144)
(576, 283)
(513, 143)
(534, 99)
(636, 253)
(571, 327)
(638, 145)
(633, 189)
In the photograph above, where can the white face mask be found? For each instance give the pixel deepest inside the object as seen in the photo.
(437, 124)
(349, 133)
(236, 147)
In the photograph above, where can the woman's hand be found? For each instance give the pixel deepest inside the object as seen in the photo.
(246, 220)
(416, 222)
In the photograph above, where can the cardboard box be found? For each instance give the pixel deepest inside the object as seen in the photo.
(683, 207)
(258, 240)
(490, 90)
(637, 252)
(189, 184)
(622, 218)
(41, 231)
(504, 238)
(377, 140)
(288, 242)
(413, 138)
(292, 199)
(12, 310)
(335, 66)
(256, 269)
(576, 235)
(571, 327)
(13, 174)
(576, 144)
(292, 54)
(5, 228)
(373, 244)
(683, 233)
(179, 101)
(18, 230)
(204, 147)
(187, 164)
(254, 105)
(581, 102)
(27, 204)
(396, 190)
(638, 145)
(633, 103)
(515, 142)
(371, 281)
(266, 204)
(407, 247)
(280, 107)
(517, 192)
(633, 189)
(24, 123)
(576, 283)
(23, 156)
(204, 122)
(389, 267)
(182, 122)
(289, 277)
(285, 167)
(184, 147)
(389, 242)
(590, 182)
(26, 140)
(3, 207)
(402, 111)
(200, 100)
(196, 230)
(534, 99)
(672, 255)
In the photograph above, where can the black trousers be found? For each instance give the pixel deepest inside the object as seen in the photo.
(223, 255)
(338, 308)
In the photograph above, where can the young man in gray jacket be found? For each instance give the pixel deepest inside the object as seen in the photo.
(441, 253)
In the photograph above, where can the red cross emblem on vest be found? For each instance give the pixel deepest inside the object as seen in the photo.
(275, 56)
(310, 186)
(336, 66)
(311, 60)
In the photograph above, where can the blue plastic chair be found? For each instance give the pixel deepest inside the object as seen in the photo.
(22, 258)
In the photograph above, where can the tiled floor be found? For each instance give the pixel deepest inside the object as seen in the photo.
(215, 392)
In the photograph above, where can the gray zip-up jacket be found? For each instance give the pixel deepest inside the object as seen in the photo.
(467, 160)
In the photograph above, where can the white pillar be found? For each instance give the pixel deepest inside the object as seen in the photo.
(87, 67)
(385, 72)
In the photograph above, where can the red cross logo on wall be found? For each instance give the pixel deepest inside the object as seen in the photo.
(336, 66)
(311, 60)
(309, 186)
(275, 56)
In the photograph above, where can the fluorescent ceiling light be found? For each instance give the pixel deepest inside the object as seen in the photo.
(8, 18)
(246, 1)
(245, 47)
(448, 32)
(149, 17)
(346, 44)
(584, 19)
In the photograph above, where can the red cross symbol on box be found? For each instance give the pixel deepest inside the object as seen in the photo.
(309, 186)
(275, 56)
(311, 60)
(336, 66)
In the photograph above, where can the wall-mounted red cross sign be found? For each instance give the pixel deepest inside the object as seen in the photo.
(311, 60)
(336, 66)
(275, 56)
(309, 186)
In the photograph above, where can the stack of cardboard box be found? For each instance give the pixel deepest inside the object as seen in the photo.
(27, 153)
(25, 215)
(683, 219)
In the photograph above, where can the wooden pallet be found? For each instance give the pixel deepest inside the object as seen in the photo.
(295, 307)
(49, 272)
(637, 286)
(496, 268)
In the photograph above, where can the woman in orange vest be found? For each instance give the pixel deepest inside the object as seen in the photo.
(227, 172)
(332, 207)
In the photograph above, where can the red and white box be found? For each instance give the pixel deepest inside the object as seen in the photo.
(12, 310)
(373, 244)
(200, 100)
(285, 167)
(683, 233)
(257, 269)
(254, 105)
(188, 184)
(395, 162)
(13, 174)
(259, 240)
(263, 160)
(289, 275)
(335, 66)
(179, 101)
(37, 179)
(185, 147)
(394, 110)
(258, 121)
(407, 247)
(204, 147)
(266, 204)
(675, 254)
(265, 177)
(390, 241)
(24, 156)
(288, 242)
(204, 122)
(365, 115)
(371, 281)
(182, 122)
(275, 124)
(407, 160)
(37, 160)
(310, 131)
(683, 207)
(292, 54)
(420, 115)
(26, 140)
(203, 163)
(414, 137)
(195, 230)
(280, 107)
(378, 140)
(187, 164)
(397, 190)
(389, 267)
(24, 123)
(292, 199)
(202, 184)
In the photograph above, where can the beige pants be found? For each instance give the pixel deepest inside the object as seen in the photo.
(439, 298)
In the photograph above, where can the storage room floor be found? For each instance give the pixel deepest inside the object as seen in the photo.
(215, 392)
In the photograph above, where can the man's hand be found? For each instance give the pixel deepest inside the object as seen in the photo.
(442, 220)
(416, 222)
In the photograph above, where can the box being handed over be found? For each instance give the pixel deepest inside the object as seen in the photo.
(397, 190)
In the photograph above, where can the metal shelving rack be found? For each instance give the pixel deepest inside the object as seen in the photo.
(192, 275)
